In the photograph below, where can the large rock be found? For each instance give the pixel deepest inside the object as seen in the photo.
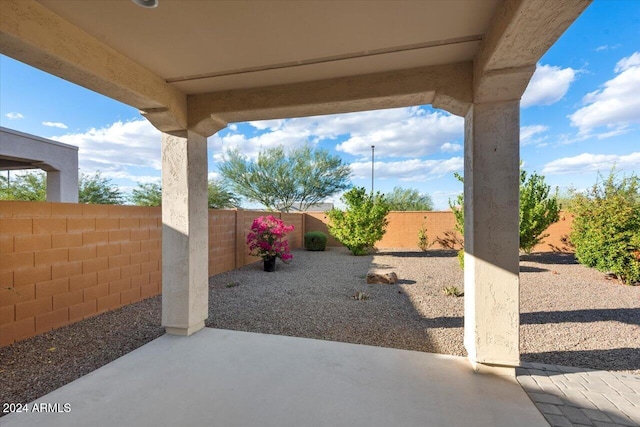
(381, 277)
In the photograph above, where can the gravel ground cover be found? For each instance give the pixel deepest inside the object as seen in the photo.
(570, 315)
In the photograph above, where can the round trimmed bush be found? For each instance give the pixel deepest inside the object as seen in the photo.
(315, 241)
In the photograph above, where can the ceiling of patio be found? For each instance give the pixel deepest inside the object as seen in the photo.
(210, 46)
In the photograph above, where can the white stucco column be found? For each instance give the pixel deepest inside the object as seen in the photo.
(62, 185)
(185, 290)
(491, 276)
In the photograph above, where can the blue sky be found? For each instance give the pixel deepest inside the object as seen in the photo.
(580, 115)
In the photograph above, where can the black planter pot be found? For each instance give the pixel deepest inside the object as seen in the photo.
(270, 264)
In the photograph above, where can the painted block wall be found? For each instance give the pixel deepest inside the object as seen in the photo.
(403, 227)
(61, 263)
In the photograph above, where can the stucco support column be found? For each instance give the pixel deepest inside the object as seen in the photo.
(491, 275)
(62, 185)
(54, 187)
(185, 290)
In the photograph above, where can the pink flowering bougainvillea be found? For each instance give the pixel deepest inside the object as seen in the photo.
(265, 238)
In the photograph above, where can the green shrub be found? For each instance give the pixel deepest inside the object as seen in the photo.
(538, 209)
(423, 239)
(606, 229)
(461, 258)
(363, 223)
(315, 241)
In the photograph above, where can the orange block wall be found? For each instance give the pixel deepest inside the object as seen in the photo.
(61, 263)
(403, 228)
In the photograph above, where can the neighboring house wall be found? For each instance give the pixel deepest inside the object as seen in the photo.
(20, 151)
(61, 263)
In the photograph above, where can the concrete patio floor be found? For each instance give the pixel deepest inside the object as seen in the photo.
(228, 378)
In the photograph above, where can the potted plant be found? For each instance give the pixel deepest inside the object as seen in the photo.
(266, 240)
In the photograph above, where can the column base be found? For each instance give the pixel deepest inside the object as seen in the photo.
(500, 370)
(184, 331)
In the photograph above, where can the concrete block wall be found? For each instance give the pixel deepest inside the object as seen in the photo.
(60, 263)
(222, 241)
(295, 237)
(403, 227)
(402, 230)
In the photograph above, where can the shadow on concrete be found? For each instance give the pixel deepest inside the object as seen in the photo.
(626, 358)
(624, 315)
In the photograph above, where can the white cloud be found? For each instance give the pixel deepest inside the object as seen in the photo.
(548, 85)
(115, 148)
(408, 170)
(399, 132)
(407, 132)
(441, 198)
(607, 47)
(589, 163)
(616, 106)
(271, 125)
(14, 116)
(55, 125)
(448, 147)
(528, 133)
(628, 62)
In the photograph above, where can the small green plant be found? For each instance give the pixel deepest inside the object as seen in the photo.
(452, 291)
(360, 296)
(363, 223)
(423, 239)
(315, 241)
(232, 284)
(461, 258)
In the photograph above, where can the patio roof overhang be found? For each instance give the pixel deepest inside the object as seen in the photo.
(192, 67)
(187, 60)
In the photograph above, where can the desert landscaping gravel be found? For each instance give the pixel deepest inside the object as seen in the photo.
(570, 315)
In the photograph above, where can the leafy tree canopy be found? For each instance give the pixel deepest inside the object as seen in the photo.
(30, 186)
(147, 194)
(408, 199)
(95, 189)
(279, 179)
(220, 197)
(217, 195)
